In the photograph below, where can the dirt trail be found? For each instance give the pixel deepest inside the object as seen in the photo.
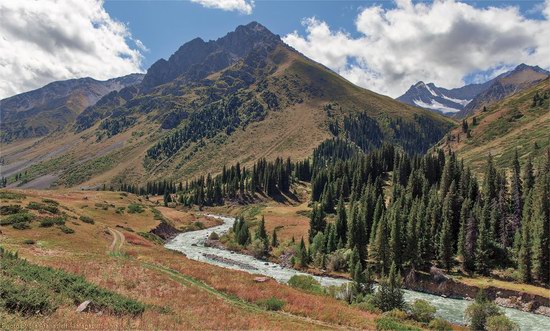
(118, 241)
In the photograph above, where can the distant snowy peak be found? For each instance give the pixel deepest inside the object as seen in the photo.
(434, 98)
(463, 101)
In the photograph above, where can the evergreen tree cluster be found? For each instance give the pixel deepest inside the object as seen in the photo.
(436, 213)
(269, 177)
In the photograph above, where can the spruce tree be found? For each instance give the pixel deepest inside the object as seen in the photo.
(341, 222)
(274, 240)
(389, 295)
(445, 244)
(483, 242)
(524, 254)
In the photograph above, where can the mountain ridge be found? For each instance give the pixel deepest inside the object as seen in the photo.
(38, 112)
(463, 101)
(270, 101)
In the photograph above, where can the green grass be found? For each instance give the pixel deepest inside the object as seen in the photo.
(65, 285)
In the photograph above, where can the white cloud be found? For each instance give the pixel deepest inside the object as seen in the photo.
(47, 40)
(243, 6)
(438, 42)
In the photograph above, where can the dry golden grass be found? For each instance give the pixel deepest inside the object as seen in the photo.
(225, 300)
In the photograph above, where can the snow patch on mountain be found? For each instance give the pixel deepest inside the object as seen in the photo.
(435, 106)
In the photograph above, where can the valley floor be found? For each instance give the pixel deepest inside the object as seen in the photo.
(180, 293)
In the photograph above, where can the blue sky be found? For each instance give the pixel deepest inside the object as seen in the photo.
(163, 26)
(384, 46)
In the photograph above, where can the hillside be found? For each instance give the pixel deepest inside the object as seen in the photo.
(50, 108)
(519, 122)
(239, 98)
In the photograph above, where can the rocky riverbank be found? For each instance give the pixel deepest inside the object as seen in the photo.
(437, 282)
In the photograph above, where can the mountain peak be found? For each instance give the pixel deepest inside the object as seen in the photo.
(524, 67)
(197, 58)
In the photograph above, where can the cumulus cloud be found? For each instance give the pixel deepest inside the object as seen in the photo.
(440, 42)
(47, 40)
(243, 6)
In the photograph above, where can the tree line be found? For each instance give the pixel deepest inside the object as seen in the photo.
(435, 212)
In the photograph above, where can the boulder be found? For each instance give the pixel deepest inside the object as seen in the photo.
(83, 307)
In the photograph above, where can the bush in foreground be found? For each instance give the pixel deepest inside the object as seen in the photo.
(500, 323)
(440, 324)
(24, 299)
(87, 219)
(306, 283)
(272, 303)
(422, 311)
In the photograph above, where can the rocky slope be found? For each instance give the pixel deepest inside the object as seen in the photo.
(52, 107)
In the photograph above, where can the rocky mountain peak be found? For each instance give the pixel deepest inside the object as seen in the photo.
(197, 58)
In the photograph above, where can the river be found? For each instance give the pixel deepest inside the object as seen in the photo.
(192, 245)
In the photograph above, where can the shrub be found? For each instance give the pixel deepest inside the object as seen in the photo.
(87, 219)
(66, 229)
(152, 237)
(43, 207)
(500, 323)
(28, 242)
(17, 218)
(368, 305)
(10, 209)
(440, 324)
(478, 312)
(306, 283)
(24, 299)
(119, 210)
(271, 304)
(11, 195)
(422, 311)
(388, 323)
(51, 202)
(397, 314)
(135, 208)
(214, 236)
(51, 221)
(21, 226)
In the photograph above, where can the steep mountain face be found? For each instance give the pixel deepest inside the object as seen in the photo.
(519, 122)
(52, 107)
(440, 99)
(466, 100)
(242, 97)
(522, 77)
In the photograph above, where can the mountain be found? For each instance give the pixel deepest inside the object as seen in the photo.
(519, 122)
(460, 102)
(239, 98)
(50, 108)
(440, 99)
(522, 77)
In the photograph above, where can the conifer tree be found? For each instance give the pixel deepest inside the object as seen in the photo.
(524, 254)
(274, 240)
(389, 295)
(445, 244)
(483, 242)
(341, 221)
